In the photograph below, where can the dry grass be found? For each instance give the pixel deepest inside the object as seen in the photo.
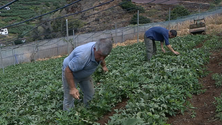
(127, 42)
(182, 28)
(49, 58)
(213, 25)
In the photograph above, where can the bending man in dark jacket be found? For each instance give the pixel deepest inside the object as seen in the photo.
(158, 34)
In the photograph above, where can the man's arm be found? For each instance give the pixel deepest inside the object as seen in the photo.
(72, 88)
(166, 39)
(161, 44)
(171, 49)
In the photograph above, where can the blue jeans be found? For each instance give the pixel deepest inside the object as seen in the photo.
(86, 86)
(150, 47)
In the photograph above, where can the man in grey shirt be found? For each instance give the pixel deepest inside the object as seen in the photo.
(78, 68)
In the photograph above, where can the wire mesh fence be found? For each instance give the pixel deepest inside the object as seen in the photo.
(46, 46)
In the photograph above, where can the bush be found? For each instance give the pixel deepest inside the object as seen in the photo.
(18, 41)
(74, 24)
(217, 1)
(9, 19)
(142, 20)
(130, 7)
(179, 11)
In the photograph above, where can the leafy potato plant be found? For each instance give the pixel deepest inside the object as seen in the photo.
(31, 93)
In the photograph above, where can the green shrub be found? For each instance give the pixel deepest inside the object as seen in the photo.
(142, 20)
(212, 5)
(218, 79)
(217, 1)
(130, 7)
(8, 19)
(20, 29)
(47, 4)
(179, 11)
(218, 104)
(152, 12)
(18, 41)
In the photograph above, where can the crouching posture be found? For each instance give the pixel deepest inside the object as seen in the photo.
(158, 34)
(79, 66)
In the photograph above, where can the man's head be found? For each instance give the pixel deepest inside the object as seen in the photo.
(172, 33)
(102, 49)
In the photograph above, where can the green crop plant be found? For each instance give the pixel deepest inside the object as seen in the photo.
(218, 103)
(31, 93)
(218, 79)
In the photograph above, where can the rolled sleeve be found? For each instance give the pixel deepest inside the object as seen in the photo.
(166, 39)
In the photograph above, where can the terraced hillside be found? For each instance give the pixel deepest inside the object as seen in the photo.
(106, 14)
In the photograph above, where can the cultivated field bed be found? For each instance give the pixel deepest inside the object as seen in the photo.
(31, 93)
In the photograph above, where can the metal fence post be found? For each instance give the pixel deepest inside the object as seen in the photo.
(115, 33)
(13, 58)
(169, 13)
(77, 39)
(92, 37)
(122, 36)
(138, 26)
(169, 17)
(32, 56)
(57, 48)
(67, 27)
(74, 39)
(67, 35)
(37, 50)
(1, 60)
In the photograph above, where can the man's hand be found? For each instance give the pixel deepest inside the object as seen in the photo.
(161, 44)
(163, 50)
(105, 69)
(103, 64)
(74, 92)
(175, 52)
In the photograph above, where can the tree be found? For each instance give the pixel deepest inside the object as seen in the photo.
(130, 7)
(179, 11)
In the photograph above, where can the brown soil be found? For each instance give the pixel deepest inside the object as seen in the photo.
(105, 119)
(204, 111)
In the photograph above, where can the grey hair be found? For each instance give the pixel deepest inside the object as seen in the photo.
(104, 45)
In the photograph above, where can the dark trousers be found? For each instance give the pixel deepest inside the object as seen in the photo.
(150, 47)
